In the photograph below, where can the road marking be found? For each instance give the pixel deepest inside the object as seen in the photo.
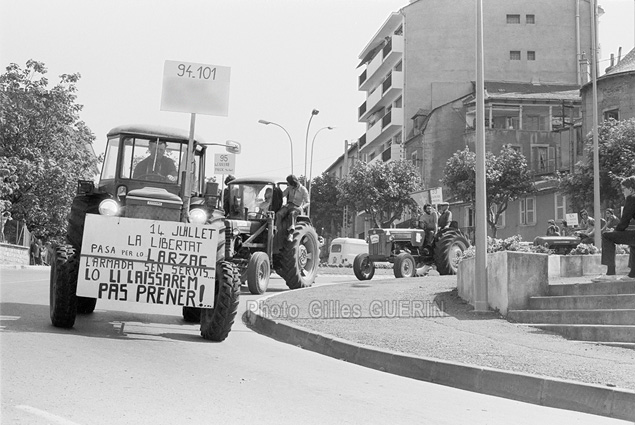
(46, 415)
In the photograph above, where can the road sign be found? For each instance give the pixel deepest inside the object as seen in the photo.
(436, 195)
(224, 163)
(195, 88)
(572, 219)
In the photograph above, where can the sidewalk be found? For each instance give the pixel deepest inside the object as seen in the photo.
(420, 328)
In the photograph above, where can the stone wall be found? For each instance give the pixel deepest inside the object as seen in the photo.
(14, 255)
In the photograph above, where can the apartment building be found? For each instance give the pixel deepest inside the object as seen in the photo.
(423, 58)
(424, 55)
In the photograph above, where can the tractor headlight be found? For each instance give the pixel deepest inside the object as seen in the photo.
(109, 207)
(198, 216)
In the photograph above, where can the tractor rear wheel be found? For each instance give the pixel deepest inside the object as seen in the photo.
(300, 258)
(404, 266)
(63, 285)
(258, 272)
(217, 322)
(448, 251)
(363, 268)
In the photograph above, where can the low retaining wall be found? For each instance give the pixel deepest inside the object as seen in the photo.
(580, 265)
(512, 278)
(14, 255)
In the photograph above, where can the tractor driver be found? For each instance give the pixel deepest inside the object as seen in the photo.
(157, 163)
(428, 221)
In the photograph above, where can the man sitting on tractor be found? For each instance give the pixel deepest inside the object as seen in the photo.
(428, 221)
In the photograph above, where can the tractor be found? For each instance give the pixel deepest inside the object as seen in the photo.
(149, 231)
(407, 251)
(254, 244)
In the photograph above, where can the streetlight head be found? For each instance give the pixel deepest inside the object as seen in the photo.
(232, 146)
(315, 112)
(330, 128)
(264, 122)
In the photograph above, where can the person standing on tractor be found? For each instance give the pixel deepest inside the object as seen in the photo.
(429, 222)
(297, 198)
(445, 216)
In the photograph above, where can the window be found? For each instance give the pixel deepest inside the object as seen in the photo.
(514, 55)
(561, 206)
(413, 157)
(528, 211)
(513, 19)
(613, 113)
(530, 19)
(531, 55)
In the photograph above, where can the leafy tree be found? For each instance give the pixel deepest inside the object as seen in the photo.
(43, 145)
(616, 146)
(507, 178)
(325, 213)
(381, 189)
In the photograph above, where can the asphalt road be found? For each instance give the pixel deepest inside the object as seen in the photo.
(141, 364)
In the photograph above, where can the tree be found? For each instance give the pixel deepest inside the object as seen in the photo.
(381, 189)
(326, 214)
(507, 178)
(44, 145)
(616, 146)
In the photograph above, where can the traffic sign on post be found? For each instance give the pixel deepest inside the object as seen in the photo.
(196, 88)
(224, 163)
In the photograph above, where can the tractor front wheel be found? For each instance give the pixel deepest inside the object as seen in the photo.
(63, 285)
(404, 266)
(258, 272)
(363, 268)
(216, 323)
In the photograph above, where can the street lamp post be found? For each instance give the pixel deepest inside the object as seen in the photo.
(306, 140)
(311, 166)
(288, 135)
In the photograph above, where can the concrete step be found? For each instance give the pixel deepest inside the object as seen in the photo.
(583, 302)
(599, 288)
(610, 333)
(578, 317)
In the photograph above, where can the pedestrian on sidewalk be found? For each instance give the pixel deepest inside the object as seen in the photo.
(620, 235)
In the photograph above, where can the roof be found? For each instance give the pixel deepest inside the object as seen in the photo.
(497, 90)
(154, 131)
(259, 180)
(625, 65)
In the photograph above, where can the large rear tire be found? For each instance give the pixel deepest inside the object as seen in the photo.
(448, 251)
(258, 272)
(216, 323)
(363, 268)
(63, 286)
(300, 258)
(404, 266)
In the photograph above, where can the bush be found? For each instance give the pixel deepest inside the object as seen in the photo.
(584, 249)
(514, 243)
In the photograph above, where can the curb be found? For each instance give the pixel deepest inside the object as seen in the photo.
(541, 390)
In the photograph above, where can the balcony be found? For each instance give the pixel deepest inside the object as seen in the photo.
(386, 155)
(382, 96)
(383, 61)
(389, 125)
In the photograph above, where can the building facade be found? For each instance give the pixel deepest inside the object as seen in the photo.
(418, 61)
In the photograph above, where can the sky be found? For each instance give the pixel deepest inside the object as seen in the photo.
(286, 58)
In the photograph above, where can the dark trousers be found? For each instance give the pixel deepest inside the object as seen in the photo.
(291, 210)
(609, 240)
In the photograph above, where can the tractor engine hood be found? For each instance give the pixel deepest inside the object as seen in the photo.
(154, 196)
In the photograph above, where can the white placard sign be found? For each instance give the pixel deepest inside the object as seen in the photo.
(572, 219)
(147, 261)
(195, 88)
(436, 195)
(224, 163)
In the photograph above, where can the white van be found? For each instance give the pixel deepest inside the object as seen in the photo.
(344, 250)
